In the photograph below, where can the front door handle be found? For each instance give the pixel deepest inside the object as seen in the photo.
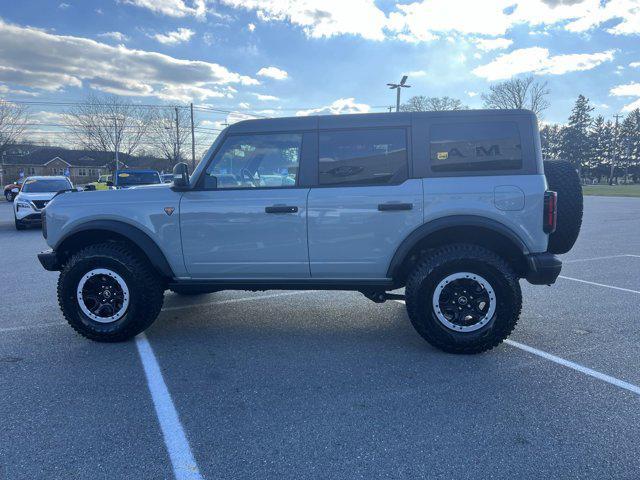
(281, 209)
(391, 207)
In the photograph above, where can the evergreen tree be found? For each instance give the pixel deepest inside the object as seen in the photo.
(630, 143)
(551, 139)
(602, 142)
(576, 141)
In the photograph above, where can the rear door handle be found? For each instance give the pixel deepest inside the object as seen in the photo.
(281, 209)
(389, 207)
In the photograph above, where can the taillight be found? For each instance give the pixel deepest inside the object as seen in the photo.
(550, 214)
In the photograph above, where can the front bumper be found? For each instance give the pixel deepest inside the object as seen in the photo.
(28, 215)
(543, 268)
(49, 260)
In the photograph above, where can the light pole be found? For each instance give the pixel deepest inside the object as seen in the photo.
(397, 87)
(116, 139)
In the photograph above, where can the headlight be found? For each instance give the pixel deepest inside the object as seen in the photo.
(25, 205)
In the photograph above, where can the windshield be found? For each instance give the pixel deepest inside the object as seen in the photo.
(39, 186)
(138, 178)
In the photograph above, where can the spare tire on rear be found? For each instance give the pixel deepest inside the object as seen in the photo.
(563, 179)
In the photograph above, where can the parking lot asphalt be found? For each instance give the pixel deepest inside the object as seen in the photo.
(327, 385)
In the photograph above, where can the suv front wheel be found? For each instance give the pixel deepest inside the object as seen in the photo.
(463, 298)
(108, 293)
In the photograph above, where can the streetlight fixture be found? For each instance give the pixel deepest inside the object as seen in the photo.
(397, 87)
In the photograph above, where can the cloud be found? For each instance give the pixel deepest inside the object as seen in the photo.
(172, 8)
(321, 18)
(472, 94)
(538, 60)
(628, 90)
(488, 44)
(265, 98)
(64, 6)
(4, 90)
(340, 106)
(417, 73)
(32, 58)
(181, 35)
(634, 64)
(273, 72)
(117, 36)
(251, 27)
(425, 20)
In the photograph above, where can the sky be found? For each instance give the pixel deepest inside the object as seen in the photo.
(301, 57)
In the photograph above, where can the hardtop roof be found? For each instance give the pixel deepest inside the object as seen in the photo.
(358, 120)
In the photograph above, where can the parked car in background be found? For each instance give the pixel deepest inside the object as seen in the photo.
(134, 178)
(35, 194)
(101, 184)
(11, 190)
(167, 177)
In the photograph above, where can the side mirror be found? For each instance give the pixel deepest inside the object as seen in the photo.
(181, 175)
(109, 183)
(210, 182)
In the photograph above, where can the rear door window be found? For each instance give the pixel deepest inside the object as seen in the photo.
(475, 147)
(375, 156)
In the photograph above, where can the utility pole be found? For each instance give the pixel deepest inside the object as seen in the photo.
(397, 87)
(177, 152)
(116, 140)
(193, 143)
(614, 160)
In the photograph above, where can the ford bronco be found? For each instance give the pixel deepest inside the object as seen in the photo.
(454, 207)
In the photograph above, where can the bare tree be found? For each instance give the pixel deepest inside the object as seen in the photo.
(420, 103)
(172, 141)
(108, 124)
(13, 122)
(518, 93)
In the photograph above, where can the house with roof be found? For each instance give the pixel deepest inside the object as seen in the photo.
(82, 166)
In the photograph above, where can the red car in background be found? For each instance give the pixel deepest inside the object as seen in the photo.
(9, 193)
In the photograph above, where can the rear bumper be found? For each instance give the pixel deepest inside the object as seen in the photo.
(49, 260)
(543, 268)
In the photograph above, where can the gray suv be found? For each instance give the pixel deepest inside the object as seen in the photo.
(454, 207)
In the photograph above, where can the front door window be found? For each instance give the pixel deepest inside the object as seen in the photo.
(257, 161)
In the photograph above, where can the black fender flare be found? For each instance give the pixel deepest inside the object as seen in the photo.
(443, 223)
(131, 233)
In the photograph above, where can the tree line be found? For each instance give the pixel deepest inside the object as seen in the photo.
(602, 150)
(109, 124)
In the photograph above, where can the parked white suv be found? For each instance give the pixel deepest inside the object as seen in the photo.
(34, 195)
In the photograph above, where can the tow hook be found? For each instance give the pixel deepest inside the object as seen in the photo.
(381, 297)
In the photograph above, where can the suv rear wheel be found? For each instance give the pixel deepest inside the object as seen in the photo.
(108, 293)
(463, 298)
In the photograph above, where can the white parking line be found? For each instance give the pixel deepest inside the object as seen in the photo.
(232, 300)
(29, 327)
(599, 284)
(165, 309)
(595, 258)
(566, 363)
(175, 439)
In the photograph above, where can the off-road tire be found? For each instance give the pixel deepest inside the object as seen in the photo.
(19, 224)
(563, 179)
(9, 196)
(436, 266)
(145, 286)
